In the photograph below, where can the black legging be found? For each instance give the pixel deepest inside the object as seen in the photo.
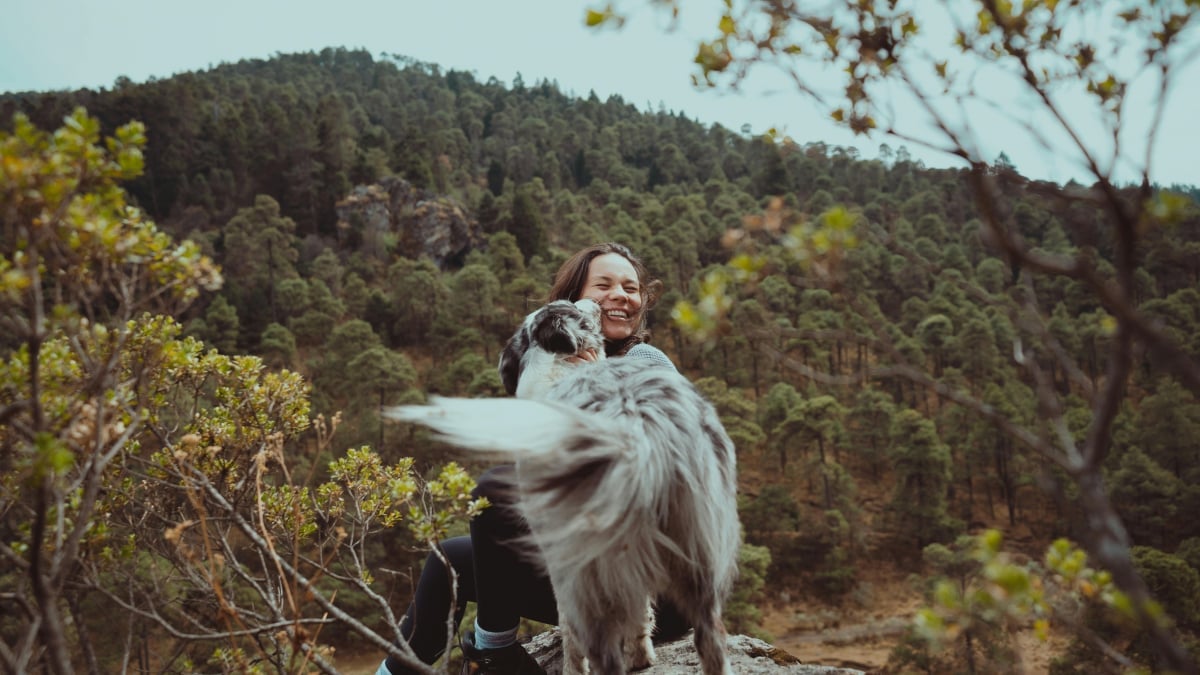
(502, 582)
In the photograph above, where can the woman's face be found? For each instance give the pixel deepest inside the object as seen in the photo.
(613, 283)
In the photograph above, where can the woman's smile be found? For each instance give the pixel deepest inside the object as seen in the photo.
(613, 283)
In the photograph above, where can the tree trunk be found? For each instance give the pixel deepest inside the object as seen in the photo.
(824, 474)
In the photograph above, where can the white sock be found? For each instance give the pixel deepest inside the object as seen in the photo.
(486, 639)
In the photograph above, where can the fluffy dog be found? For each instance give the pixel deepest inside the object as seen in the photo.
(628, 482)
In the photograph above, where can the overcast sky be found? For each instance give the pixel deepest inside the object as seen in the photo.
(67, 44)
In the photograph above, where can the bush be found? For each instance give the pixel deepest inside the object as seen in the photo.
(742, 614)
(1172, 581)
(773, 510)
(1189, 551)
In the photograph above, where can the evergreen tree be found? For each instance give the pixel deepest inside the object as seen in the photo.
(505, 257)
(260, 253)
(870, 423)
(736, 413)
(526, 225)
(774, 509)
(1168, 428)
(818, 420)
(474, 300)
(774, 410)
(922, 467)
(292, 297)
(278, 346)
(221, 322)
(345, 343)
(1146, 495)
(380, 376)
(417, 296)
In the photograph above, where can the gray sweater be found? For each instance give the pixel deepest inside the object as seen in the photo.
(649, 353)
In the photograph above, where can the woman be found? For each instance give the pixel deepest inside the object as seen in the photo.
(504, 585)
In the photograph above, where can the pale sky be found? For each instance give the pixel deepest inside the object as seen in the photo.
(67, 44)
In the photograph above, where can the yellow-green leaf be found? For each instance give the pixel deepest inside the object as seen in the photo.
(595, 18)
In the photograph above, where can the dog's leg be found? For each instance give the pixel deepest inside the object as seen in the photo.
(599, 632)
(639, 649)
(700, 607)
(604, 653)
(710, 643)
(574, 661)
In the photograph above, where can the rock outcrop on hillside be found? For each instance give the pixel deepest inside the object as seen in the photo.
(421, 222)
(747, 656)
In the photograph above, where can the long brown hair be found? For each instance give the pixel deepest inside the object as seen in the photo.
(572, 278)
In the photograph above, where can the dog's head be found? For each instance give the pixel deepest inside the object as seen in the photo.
(561, 327)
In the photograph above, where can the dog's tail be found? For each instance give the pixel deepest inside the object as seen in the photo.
(587, 489)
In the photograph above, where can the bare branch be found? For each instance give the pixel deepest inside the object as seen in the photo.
(214, 635)
(399, 650)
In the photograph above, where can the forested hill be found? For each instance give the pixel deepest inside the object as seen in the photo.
(891, 378)
(304, 128)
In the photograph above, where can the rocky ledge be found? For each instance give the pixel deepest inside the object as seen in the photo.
(422, 222)
(747, 656)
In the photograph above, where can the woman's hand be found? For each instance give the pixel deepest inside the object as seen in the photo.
(585, 355)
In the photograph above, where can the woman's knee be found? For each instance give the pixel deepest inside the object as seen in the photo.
(497, 484)
(435, 577)
(434, 572)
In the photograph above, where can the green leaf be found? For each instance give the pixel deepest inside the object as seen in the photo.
(1122, 604)
(1170, 208)
(52, 455)
(595, 18)
(929, 625)
(713, 56)
(946, 595)
(685, 316)
(746, 266)
(1013, 579)
(992, 541)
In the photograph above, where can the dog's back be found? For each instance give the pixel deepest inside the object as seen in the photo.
(642, 506)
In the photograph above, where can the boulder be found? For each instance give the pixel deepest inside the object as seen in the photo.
(421, 222)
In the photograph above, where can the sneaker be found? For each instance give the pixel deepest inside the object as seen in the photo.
(510, 660)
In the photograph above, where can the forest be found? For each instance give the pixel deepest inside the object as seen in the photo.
(213, 283)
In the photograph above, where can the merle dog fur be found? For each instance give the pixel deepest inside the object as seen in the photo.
(628, 481)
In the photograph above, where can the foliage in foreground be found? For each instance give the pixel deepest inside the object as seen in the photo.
(883, 52)
(147, 472)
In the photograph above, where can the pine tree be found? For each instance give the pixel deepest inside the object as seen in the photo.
(922, 468)
(221, 321)
(526, 224)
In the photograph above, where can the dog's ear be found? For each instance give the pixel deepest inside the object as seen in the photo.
(510, 360)
(552, 334)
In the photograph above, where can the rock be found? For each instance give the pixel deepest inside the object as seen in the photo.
(747, 656)
(423, 222)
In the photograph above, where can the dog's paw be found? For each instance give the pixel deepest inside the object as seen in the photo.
(639, 653)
